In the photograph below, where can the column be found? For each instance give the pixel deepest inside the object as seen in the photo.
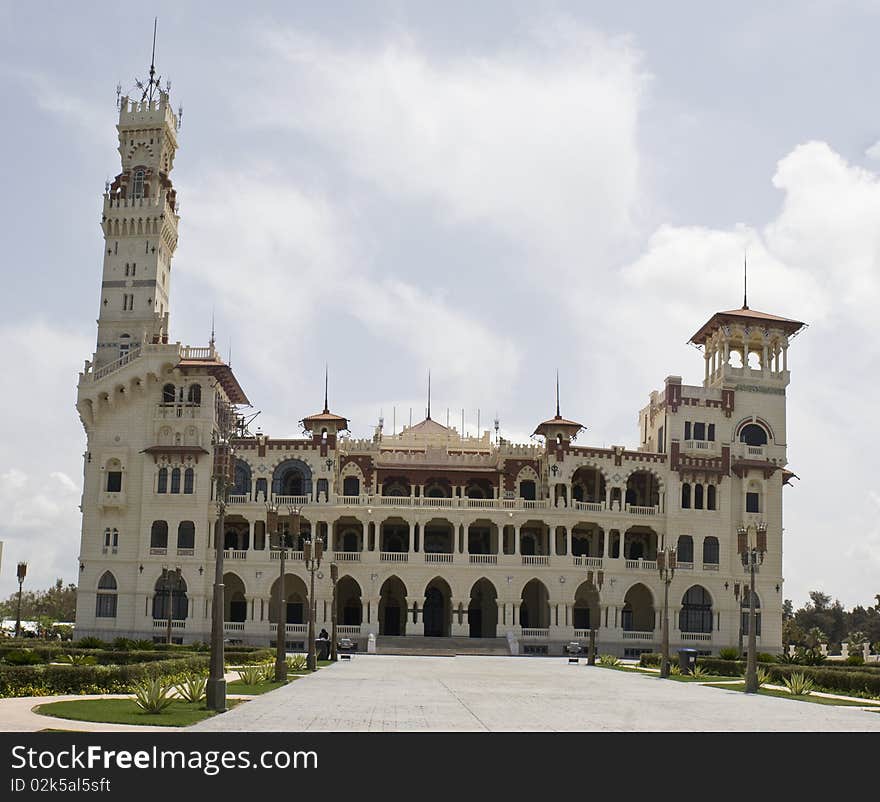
(464, 542)
(607, 496)
(516, 540)
(412, 539)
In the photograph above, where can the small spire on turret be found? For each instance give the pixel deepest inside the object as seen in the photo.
(745, 280)
(326, 380)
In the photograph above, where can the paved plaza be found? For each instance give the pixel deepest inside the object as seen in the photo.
(393, 694)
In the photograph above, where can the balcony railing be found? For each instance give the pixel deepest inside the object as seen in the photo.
(348, 629)
(702, 636)
(233, 626)
(483, 559)
(291, 629)
(393, 556)
(289, 554)
(437, 558)
(589, 506)
(237, 499)
(292, 500)
(632, 635)
(641, 565)
(347, 556)
(535, 559)
(698, 445)
(234, 554)
(535, 632)
(162, 623)
(587, 562)
(632, 509)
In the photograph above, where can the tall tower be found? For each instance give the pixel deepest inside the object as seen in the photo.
(139, 222)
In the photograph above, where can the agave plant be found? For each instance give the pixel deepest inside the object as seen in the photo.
(698, 672)
(192, 688)
(763, 676)
(608, 660)
(153, 695)
(297, 662)
(251, 675)
(77, 659)
(674, 670)
(798, 685)
(268, 671)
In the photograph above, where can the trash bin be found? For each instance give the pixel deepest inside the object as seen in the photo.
(687, 660)
(322, 648)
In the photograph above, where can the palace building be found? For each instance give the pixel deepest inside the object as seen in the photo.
(442, 540)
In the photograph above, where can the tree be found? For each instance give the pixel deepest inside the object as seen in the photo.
(58, 603)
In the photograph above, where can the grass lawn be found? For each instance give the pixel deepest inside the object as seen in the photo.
(817, 700)
(125, 711)
(238, 686)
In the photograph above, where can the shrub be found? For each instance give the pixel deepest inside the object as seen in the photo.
(674, 669)
(728, 654)
(297, 662)
(251, 675)
(650, 659)
(763, 676)
(699, 672)
(90, 643)
(765, 657)
(608, 660)
(123, 643)
(23, 657)
(855, 660)
(144, 645)
(249, 656)
(153, 695)
(192, 688)
(78, 659)
(799, 685)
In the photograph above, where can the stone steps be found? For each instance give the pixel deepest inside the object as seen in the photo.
(440, 647)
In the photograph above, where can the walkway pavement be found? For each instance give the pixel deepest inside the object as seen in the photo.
(390, 693)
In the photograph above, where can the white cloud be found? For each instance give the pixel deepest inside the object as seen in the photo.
(42, 443)
(873, 152)
(538, 143)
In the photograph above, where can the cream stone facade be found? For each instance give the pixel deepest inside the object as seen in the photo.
(436, 535)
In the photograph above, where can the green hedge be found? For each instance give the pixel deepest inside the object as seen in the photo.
(839, 679)
(65, 679)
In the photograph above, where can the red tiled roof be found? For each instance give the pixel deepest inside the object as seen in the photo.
(745, 316)
(223, 373)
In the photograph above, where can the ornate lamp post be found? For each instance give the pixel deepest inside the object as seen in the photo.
(273, 522)
(172, 582)
(313, 550)
(334, 578)
(737, 593)
(666, 560)
(21, 574)
(224, 466)
(591, 651)
(752, 553)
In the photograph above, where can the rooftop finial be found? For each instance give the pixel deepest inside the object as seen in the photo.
(212, 327)
(153, 83)
(557, 394)
(326, 374)
(429, 396)
(745, 280)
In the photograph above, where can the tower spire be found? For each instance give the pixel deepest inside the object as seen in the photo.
(326, 374)
(428, 417)
(557, 394)
(153, 82)
(745, 280)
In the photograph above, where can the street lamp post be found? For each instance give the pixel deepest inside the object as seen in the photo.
(591, 649)
(21, 574)
(274, 522)
(752, 553)
(170, 585)
(666, 560)
(737, 591)
(334, 578)
(215, 690)
(313, 550)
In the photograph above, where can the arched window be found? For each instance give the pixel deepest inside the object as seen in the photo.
(159, 535)
(753, 435)
(189, 476)
(194, 395)
(711, 502)
(351, 486)
(527, 490)
(186, 535)
(169, 394)
(137, 182)
(710, 550)
(105, 601)
(698, 497)
(292, 478)
(685, 496)
(745, 614)
(242, 484)
(685, 549)
(124, 345)
(175, 480)
(170, 596)
(696, 611)
(162, 484)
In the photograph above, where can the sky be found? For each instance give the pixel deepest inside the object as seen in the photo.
(490, 191)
